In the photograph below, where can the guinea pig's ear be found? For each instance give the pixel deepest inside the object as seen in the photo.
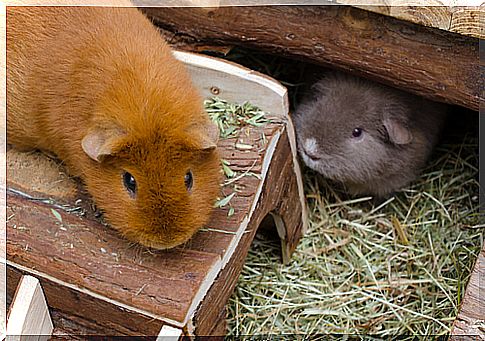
(100, 142)
(398, 132)
(206, 136)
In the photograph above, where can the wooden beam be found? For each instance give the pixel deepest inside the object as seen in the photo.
(436, 64)
(465, 18)
(29, 315)
(281, 187)
(469, 20)
(168, 333)
(3, 284)
(470, 321)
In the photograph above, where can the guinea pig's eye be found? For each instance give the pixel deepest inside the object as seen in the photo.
(357, 132)
(189, 180)
(130, 183)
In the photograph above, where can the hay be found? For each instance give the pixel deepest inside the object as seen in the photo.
(399, 268)
(231, 118)
(395, 269)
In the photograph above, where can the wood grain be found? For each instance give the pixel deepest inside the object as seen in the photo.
(431, 13)
(469, 20)
(84, 253)
(102, 262)
(220, 327)
(78, 305)
(90, 272)
(470, 321)
(281, 193)
(436, 64)
(77, 328)
(446, 15)
(29, 314)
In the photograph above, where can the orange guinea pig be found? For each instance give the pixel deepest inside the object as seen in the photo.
(101, 89)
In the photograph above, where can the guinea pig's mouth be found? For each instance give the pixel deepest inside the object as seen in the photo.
(311, 156)
(324, 165)
(309, 159)
(310, 162)
(308, 148)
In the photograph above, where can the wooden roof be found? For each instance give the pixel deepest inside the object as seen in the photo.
(463, 17)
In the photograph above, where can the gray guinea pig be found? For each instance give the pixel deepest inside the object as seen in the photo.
(371, 138)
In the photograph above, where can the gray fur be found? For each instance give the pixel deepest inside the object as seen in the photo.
(399, 133)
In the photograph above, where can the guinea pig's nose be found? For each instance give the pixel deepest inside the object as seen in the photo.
(311, 149)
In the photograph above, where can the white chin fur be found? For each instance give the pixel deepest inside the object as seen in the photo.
(311, 146)
(317, 167)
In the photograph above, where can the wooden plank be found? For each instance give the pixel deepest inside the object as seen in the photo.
(281, 184)
(113, 3)
(464, 17)
(433, 63)
(470, 321)
(289, 226)
(168, 333)
(3, 120)
(209, 73)
(77, 327)
(220, 327)
(90, 256)
(29, 315)
(80, 304)
(431, 13)
(78, 255)
(3, 300)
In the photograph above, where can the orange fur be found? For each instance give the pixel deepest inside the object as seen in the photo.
(72, 71)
